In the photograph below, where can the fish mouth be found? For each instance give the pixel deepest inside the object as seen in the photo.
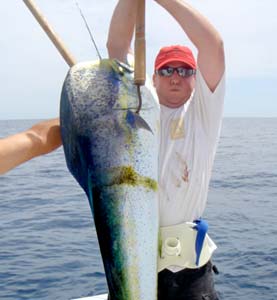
(126, 67)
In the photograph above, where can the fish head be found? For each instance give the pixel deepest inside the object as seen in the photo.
(100, 129)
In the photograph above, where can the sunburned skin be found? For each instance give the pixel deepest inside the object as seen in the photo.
(175, 90)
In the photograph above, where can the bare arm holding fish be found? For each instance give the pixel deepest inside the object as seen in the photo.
(121, 31)
(40, 139)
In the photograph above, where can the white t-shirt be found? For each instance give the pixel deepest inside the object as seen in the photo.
(188, 141)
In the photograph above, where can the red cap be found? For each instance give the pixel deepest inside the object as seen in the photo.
(175, 53)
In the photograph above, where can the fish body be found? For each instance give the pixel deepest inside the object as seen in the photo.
(114, 159)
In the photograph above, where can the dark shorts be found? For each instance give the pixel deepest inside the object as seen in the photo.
(187, 284)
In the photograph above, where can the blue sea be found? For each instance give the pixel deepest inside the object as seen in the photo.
(48, 245)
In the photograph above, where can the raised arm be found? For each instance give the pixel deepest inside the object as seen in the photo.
(42, 138)
(203, 35)
(122, 29)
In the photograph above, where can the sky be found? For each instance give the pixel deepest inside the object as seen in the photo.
(32, 71)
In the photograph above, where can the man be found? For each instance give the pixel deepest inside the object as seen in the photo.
(191, 96)
(40, 139)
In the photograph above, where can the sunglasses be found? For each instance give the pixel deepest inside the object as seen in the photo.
(168, 71)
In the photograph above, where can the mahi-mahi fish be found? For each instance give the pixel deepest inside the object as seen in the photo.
(113, 156)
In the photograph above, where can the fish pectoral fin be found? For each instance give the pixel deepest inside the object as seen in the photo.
(136, 121)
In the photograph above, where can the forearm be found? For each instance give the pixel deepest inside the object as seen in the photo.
(199, 30)
(122, 29)
(42, 138)
(14, 150)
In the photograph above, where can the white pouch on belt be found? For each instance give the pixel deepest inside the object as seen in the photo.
(178, 247)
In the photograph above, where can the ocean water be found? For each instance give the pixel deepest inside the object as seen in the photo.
(48, 246)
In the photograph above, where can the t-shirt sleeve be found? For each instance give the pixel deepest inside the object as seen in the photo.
(208, 107)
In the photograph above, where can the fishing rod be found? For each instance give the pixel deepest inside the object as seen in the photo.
(68, 57)
(140, 52)
(88, 29)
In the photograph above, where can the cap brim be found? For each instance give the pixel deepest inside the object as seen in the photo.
(175, 60)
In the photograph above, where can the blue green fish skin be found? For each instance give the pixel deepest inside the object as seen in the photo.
(115, 163)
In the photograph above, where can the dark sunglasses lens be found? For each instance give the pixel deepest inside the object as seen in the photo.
(166, 72)
(185, 72)
(190, 72)
(182, 72)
